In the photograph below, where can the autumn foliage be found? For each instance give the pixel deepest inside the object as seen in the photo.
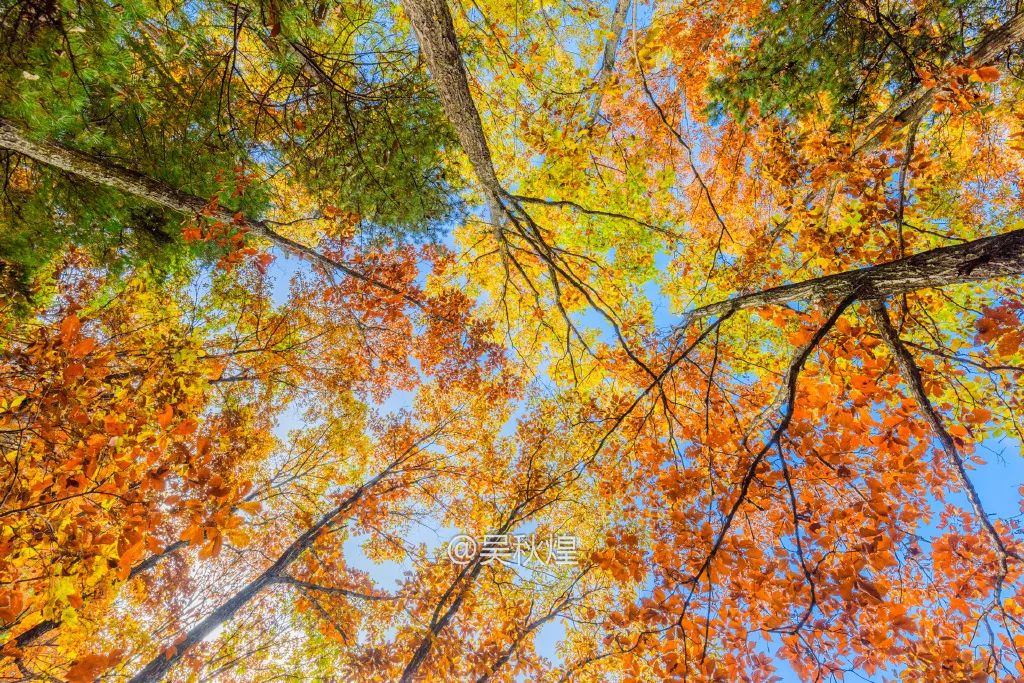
(727, 294)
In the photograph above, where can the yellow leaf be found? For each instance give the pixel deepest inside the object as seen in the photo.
(237, 537)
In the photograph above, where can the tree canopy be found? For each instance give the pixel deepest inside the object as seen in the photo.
(498, 341)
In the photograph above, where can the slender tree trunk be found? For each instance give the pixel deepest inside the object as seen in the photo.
(611, 48)
(103, 172)
(432, 22)
(419, 656)
(981, 259)
(161, 664)
(43, 627)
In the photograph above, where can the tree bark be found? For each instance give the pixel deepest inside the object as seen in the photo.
(432, 22)
(419, 656)
(40, 629)
(982, 259)
(611, 48)
(155, 559)
(911, 374)
(43, 627)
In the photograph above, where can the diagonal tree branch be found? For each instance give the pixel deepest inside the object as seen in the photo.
(347, 592)
(161, 664)
(982, 259)
(790, 383)
(28, 637)
(103, 172)
(556, 610)
(911, 374)
(915, 104)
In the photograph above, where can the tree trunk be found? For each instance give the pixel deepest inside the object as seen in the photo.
(433, 25)
(43, 627)
(611, 48)
(915, 104)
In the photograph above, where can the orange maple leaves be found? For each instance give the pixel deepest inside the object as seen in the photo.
(1000, 327)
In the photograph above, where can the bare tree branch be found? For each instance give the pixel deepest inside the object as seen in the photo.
(911, 374)
(347, 592)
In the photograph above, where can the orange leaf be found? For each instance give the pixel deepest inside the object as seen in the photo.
(212, 548)
(129, 557)
(11, 603)
(237, 537)
(262, 261)
(113, 426)
(979, 415)
(192, 234)
(73, 371)
(801, 336)
(193, 534)
(1008, 344)
(988, 74)
(69, 329)
(186, 427)
(83, 347)
(88, 668)
(165, 415)
(251, 507)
